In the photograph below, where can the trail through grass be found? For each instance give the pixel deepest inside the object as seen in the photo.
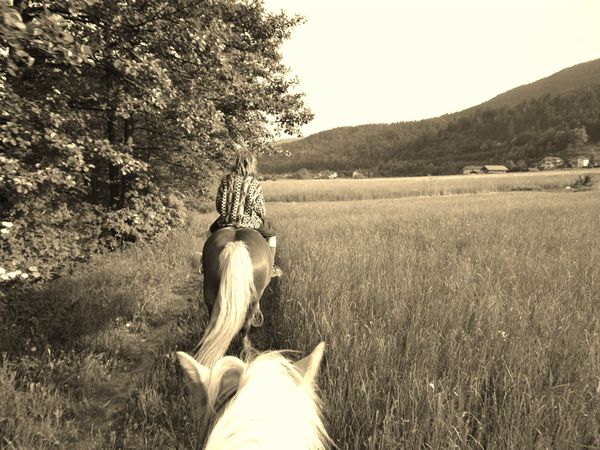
(74, 351)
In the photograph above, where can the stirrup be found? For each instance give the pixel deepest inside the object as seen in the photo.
(257, 318)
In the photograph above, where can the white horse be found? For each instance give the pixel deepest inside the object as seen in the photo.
(267, 402)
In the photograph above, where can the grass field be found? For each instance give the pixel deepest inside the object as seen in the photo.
(464, 321)
(375, 188)
(452, 322)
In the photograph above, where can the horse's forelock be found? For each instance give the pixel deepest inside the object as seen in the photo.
(224, 366)
(271, 388)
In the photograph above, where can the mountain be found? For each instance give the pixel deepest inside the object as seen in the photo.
(563, 82)
(558, 114)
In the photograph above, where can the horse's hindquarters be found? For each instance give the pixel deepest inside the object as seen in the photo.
(237, 268)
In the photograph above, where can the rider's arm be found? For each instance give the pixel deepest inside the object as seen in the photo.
(259, 203)
(220, 193)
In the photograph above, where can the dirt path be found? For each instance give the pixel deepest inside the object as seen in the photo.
(106, 404)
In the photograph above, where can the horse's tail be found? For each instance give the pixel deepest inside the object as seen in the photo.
(236, 291)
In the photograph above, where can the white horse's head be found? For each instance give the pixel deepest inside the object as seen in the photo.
(266, 402)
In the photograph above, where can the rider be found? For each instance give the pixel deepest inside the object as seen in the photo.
(240, 202)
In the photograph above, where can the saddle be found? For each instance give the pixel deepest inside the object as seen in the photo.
(197, 258)
(276, 272)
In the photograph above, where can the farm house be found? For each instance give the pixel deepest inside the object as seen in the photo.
(580, 162)
(551, 162)
(492, 168)
(471, 170)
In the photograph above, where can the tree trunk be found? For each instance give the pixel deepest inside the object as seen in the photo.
(114, 172)
(128, 139)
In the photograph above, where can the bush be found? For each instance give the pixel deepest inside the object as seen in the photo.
(582, 182)
(47, 235)
(302, 174)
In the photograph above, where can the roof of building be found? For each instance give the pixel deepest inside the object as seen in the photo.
(495, 167)
(552, 158)
(472, 168)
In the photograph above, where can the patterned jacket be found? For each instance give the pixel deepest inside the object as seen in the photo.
(240, 202)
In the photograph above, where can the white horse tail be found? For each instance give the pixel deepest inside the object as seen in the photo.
(236, 291)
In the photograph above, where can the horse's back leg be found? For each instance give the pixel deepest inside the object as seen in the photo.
(210, 296)
(256, 316)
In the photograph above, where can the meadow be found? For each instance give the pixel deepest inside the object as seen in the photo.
(465, 321)
(341, 189)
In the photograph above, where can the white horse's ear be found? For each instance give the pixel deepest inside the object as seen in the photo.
(309, 366)
(194, 372)
(196, 376)
(230, 380)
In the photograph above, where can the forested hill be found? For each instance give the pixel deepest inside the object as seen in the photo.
(563, 82)
(558, 115)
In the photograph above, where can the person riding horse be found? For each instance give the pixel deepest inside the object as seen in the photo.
(240, 202)
(237, 262)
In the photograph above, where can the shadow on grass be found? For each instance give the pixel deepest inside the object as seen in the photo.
(61, 312)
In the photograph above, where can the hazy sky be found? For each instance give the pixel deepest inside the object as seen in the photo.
(382, 61)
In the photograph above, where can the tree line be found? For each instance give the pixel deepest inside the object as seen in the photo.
(108, 108)
(550, 125)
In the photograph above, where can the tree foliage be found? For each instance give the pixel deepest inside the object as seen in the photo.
(107, 107)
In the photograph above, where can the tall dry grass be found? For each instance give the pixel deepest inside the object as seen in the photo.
(451, 322)
(375, 188)
(74, 348)
(467, 321)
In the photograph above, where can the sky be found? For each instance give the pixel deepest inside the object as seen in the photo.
(385, 61)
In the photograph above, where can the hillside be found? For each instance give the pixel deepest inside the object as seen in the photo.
(563, 82)
(523, 124)
(347, 147)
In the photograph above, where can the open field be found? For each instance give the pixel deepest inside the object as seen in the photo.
(466, 321)
(469, 321)
(374, 188)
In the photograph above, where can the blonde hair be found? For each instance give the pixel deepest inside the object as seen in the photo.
(245, 162)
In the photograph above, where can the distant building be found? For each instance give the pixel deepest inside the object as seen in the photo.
(469, 170)
(580, 162)
(493, 168)
(551, 162)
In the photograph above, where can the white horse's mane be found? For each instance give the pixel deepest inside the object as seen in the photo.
(274, 406)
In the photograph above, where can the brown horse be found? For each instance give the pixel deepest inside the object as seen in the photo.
(237, 268)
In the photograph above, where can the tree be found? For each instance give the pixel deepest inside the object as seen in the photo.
(522, 165)
(579, 137)
(510, 165)
(106, 106)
